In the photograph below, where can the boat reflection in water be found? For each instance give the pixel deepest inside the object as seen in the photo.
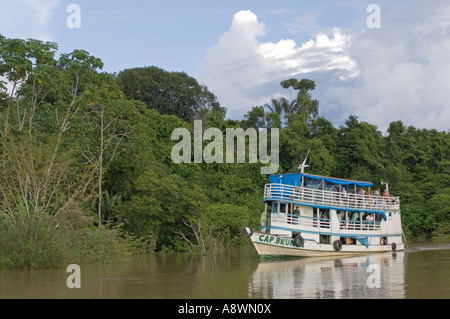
(367, 276)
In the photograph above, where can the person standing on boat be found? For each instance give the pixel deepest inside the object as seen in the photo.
(296, 214)
(393, 200)
(377, 194)
(368, 220)
(386, 197)
(344, 197)
(354, 219)
(361, 194)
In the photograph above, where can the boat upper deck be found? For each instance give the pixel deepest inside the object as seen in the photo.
(319, 191)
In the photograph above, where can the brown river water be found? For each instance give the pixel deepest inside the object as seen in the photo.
(422, 271)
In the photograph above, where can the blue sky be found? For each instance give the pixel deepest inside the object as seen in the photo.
(242, 50)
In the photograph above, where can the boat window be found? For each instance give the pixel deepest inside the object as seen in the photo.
(275, 207)
(312, 183)
(324, 239)
(285, 208)
(320, 184)
(316, 212)
(324, 213)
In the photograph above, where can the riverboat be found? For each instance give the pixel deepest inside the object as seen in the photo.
(310, 215)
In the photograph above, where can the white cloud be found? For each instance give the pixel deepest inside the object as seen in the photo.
(27, 18)
(244, 72)
(405, 71)
(398, 72)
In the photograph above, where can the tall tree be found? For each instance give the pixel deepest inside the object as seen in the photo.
(19, 61)
(38, 167)
(303, 104)
(173, 93)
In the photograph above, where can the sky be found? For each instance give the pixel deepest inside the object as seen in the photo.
(381, 63)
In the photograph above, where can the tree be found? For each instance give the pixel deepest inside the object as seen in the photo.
(277, 109)
(255, 118)
(303, 104)
(49, 157)
(36, 169)
(106, 114)
(162, 206)
(173, 93)
(359, 150)
(19, 60)
(109, 207)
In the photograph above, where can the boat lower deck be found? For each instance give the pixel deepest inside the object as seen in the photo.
(268, 245)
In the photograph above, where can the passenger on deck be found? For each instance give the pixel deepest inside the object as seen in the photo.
(360, 199)
(342, 218)
(386, 197)
(324, 216)
(296, 215)
(369, 218)
(354, 219)
(370, 200)
(377, 193)
(393, 200)
(344, 196)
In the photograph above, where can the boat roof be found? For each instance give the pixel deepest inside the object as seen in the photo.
(295, 179)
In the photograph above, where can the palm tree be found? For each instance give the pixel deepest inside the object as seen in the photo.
(280, 107)
(109, 206)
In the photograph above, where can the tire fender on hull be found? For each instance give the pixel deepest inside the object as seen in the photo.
(299, 241)
(337, 245)
(394, 246)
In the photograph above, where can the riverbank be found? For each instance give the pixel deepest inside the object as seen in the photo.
(49, 242)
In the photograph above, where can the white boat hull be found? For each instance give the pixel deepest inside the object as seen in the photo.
(268, 246)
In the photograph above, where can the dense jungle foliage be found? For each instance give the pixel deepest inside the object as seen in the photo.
(86, 170)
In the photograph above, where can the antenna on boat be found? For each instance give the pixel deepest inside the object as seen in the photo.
(302, 166)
